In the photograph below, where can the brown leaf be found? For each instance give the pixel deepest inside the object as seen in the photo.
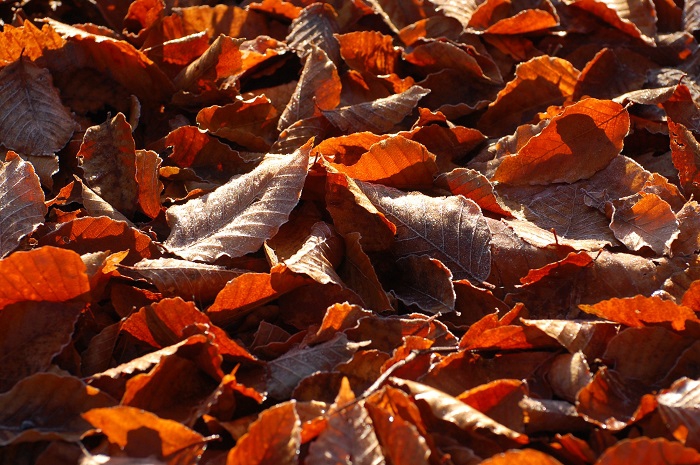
(451, 229)
(635, 18)
(505, 17)
(33, 120)
(315, 26)
(239, 216)
(426, 283)
(189, 280)
(678, 407)
(45, 274)
(448, 408)
(32, 334)
(538, 83)
(285, 372)
(108, 155)
(22, 202)
(85, 235)
(378, 116)
(589, 337)
(644, 220)
(47, 407)
(657, 451)
(575, 144)
(436, 55)
(472, 185)
(352, 212)
(318, 89)
(358, 273)
(275, 437)
(688, 240)
(140, 434)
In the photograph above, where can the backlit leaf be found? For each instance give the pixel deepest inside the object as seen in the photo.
(275, 437)
(639, 311)
(576, 144)
(451, 229)
(239, 216)
(33, 121)
(644, 220)
(45, 274)
(657, 451)
(680, 409)
(22, 202)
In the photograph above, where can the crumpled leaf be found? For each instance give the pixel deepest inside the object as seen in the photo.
(644, 220)
(275, 437)
(315, 26)
(33, 121)
(318, 89)
(426, 283)
(575, 144)
(108, 155)
(448, 408)
(239, 216)
(659, 451)
(678, 406)
(377, 116)
(538, 83)
(22, 202)
(349, 436)
(451, 229)
(636, 18)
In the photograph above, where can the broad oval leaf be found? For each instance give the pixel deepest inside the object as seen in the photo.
(238, 217)
(33, 121)
(576, 144)
(47, 406)
(451, 229)
(316, 25)
(644, 220)
(640, 311)
(45, 274)
(22, 206)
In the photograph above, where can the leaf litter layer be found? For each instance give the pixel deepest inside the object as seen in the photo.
(401, 232)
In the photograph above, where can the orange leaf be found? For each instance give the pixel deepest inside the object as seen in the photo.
(45, 274)
(644, 220)
(140, 433)
(659, 451)
(396, 162)
(369, 52)
(639, 311)
(575, 144)
(522, 457)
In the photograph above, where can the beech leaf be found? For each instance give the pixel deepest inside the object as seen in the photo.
(450, 229)
(22, 206)
(238, 217)
(33, 121)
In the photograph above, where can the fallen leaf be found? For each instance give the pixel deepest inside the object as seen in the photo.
(443, 228)
(33, 120)
(234, 225)
(644, 220)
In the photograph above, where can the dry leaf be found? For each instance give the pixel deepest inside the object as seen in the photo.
(226, 223)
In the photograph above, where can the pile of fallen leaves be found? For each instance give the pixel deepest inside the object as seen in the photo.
(367, 231)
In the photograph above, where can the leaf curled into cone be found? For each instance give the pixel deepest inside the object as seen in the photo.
(575, 144)
(640, 311)
(236, 218)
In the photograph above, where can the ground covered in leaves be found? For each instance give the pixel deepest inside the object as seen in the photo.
(367, 231)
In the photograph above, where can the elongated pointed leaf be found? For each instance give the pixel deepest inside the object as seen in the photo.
(378, 116)
(451, 229)
(33, 121)
(22, 206)
(239, 216)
